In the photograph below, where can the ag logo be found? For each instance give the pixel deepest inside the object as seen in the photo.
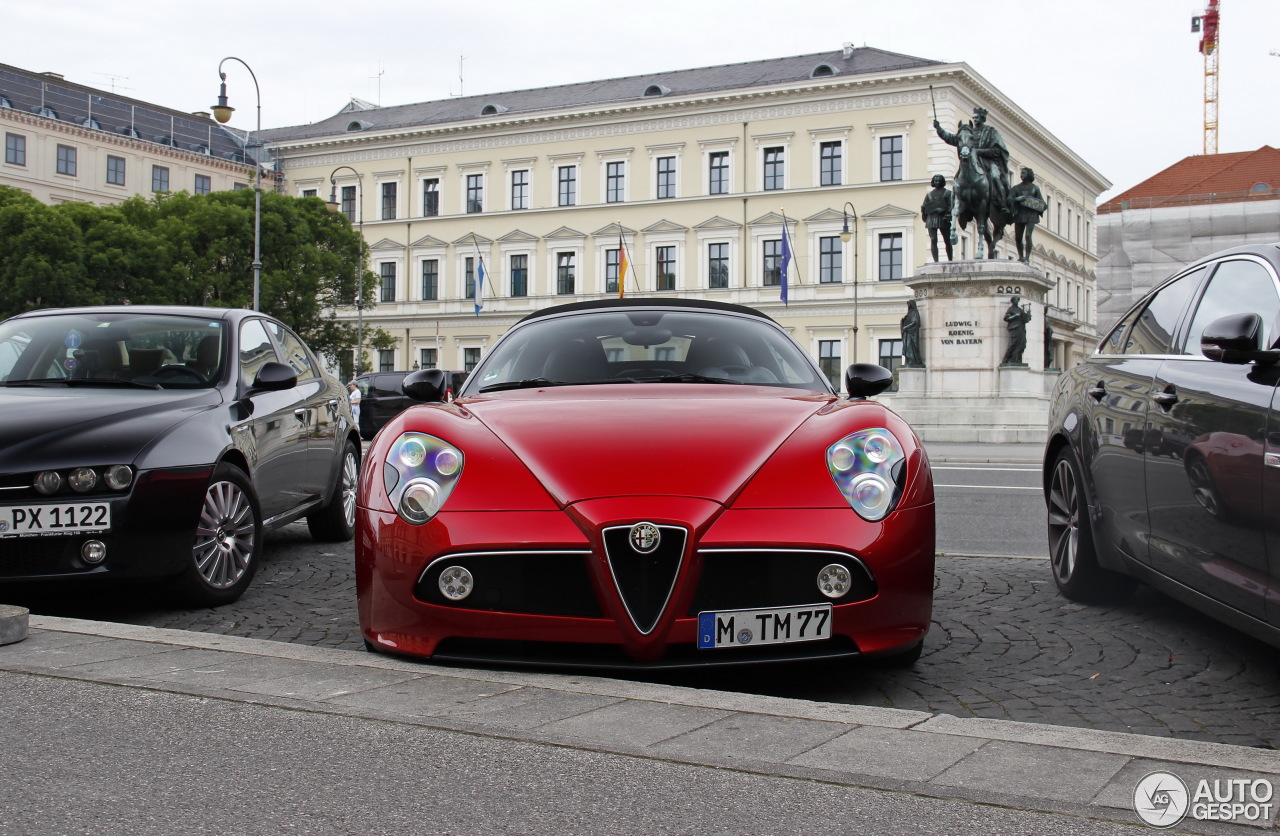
(645, 537)
(1161, 799)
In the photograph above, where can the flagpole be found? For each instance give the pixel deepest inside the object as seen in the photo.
(623, 263)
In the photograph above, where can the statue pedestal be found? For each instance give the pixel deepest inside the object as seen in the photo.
(964, 393)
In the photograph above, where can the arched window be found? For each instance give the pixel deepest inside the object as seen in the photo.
(822, 70)
(655, 90)
(493, 110)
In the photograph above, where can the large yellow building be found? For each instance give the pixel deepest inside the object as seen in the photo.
(692, 174)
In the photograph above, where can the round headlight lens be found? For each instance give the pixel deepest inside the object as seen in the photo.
(870, 494)
(48, 482)
(413, 453)
(82, 479)
(865, 468)
(843, 457)
(420, 501)
(118, 477)
(448, 462)
(877, 448)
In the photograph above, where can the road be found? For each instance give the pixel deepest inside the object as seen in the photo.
(1004, 644)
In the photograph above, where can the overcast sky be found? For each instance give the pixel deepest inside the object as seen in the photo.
(1119, 81)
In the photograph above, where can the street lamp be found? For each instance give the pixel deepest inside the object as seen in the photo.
(845, 236)
(222, 112)
(333, 205)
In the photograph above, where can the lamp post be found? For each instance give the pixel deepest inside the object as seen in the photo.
(845, 236)
(222, 112)
(334, 206)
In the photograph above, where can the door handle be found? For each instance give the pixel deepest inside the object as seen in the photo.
(1167, 398)
(1098, 391)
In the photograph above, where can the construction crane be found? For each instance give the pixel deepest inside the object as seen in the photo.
(1207, 25)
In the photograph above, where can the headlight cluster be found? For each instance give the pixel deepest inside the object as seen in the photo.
(420, 473)
(867, 466)
(116, 477)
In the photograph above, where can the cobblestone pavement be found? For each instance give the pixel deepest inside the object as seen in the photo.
(1004, 646)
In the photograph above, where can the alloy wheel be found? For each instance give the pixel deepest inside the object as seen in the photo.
(1064, 521)
(224, 544)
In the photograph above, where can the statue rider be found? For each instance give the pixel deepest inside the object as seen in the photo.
(989, 146)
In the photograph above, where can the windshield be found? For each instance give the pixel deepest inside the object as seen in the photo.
(152, 351)
(645, 346)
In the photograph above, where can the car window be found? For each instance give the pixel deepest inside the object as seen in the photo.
(1153, 333)
(1239, 286)
(385, 385)
(295, 353)
(1115, 341)
(256, 349)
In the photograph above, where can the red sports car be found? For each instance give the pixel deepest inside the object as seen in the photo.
(646, 483)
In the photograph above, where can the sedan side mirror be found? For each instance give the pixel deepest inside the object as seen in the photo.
(427, 386)
(273, 377)
(862, 380)
(1236, 339)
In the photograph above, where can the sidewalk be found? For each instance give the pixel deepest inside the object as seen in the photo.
(989, 762)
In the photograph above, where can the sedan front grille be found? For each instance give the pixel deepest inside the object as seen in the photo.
(645, 579)
(740, 579)
(533, 582)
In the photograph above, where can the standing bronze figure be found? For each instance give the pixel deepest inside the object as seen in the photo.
(1026, 205)
(1016, 319)
(911, 356)
(936, 211)
(982, 181)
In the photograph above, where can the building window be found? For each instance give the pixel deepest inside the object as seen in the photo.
(666, 186)
(427, 358)
(615, 180)
(890, 256)
(430, 279)
(567, 179)
(15, 149)
(389, 201)
(67, 160)
(666, 264)
(386, 360)
(115, 170)
(830, 254)
(891, 359)
(774, 169)
(564, 273)
(204, 184)
(520, 189)
(349, 202)
(520, 275)
(388, 281)
(470, 359)
(829, 361)
(159, 178)
(430, 198)
(718, 172)
(310, 193)
(475, 193)
(890, 158)
(612, 264)
(717, 265)
(829, 163)
(468, 278)
(772, 262)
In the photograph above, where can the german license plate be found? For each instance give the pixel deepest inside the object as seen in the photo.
(777, 625)
(72, 518)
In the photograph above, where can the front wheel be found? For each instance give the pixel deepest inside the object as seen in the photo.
(335, 522)
(227, 543)
(1072, 553)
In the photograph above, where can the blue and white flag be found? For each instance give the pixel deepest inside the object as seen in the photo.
(479, 289)
(786, 259)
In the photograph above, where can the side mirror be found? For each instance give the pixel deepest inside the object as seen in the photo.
(862, 380)
(426, 386)
(274, 377)
(1236, 339)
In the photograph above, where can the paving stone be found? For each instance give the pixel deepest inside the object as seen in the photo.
(1034, 771)
(890, 753)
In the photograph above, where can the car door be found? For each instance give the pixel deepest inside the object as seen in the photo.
(1204, 468)
(320, 399)
(1118, 383)
(278, 425)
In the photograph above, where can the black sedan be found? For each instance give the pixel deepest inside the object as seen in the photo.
(159, 443)
(1163, 460)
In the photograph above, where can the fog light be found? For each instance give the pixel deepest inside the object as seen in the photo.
(48, 482)
(118, 477)
(82, 479)
(834, 580)
(456, 583)
(93, 552)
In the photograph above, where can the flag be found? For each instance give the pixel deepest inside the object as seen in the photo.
(479, 289)
(622, 265)
(786, 258)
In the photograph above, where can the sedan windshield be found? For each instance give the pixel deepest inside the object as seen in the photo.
(116, 349)
(645, 346)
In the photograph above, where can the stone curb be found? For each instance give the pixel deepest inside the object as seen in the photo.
(14, 623)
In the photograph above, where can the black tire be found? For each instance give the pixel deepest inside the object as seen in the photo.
(227, 542)
(335, 521)
(1072, 553)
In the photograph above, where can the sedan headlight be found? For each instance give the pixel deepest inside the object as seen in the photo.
(867, 467)
(420, 473)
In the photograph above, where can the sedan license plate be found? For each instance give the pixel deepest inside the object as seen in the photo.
(777, 625)
(37, 520)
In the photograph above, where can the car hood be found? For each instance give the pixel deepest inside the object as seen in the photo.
(689, 440)
(55, 427)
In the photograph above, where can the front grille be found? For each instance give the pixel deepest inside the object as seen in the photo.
(536, 583)
(34, 556)
(740, 579)
(644, 581)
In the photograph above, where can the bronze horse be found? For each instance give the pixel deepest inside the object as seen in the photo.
(973, 200)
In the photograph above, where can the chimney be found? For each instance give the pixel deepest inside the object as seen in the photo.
(847, 52)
